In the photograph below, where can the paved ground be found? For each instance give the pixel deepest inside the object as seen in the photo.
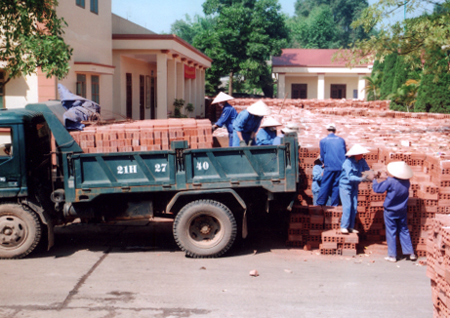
(137, 271)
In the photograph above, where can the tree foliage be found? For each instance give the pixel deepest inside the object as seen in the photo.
(31, 37)
(433, 93)
(246, 33)
(415, 38)
(334, 18)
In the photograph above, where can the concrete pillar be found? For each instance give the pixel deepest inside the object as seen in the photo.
(361, 86)
(281, 85)
(180, 81)
(161, 82)
(321, 86)
(171, 83)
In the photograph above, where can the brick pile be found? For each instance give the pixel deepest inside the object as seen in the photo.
(438, 265)
(144, 135)
(420, 139)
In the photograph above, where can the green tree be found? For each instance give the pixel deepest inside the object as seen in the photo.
(404, 97)
(372, 87)
(434, 88)
(388, 76)
(415, 39)
(246, 34)
(317, 31)
(31, 37)
(341, 13)
(188, 29)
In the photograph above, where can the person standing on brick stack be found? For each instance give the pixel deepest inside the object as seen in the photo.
(332, 152)
(351, 177)
(228, 115)
(396, 208)
(247, 124)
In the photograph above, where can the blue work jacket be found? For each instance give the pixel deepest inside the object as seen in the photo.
(332, 152)
(397, 193)
(317, 178)
(245, 123)
(227, 117)
(265, 136)
(351, 174)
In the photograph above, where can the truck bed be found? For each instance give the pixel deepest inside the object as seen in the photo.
(271, 167)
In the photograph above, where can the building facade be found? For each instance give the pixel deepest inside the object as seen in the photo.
(312, 74)
(129, 70)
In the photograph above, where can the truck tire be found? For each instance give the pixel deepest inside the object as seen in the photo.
(204, 228)
(20, 231)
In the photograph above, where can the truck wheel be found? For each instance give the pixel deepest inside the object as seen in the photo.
(204, 228)
(20, 231)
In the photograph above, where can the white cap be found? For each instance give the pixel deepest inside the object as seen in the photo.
(331, 126)
(259, 109)
(291, 127)
(357, 150)
(400, 169)
(270, 122)
(222, 97)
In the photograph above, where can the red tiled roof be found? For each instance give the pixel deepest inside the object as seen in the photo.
(309, 58)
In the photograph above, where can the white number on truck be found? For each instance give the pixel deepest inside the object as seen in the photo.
(127, 169)
(202, 165)
(160, 167)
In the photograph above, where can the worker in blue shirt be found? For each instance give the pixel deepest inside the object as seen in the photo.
(247, 124)
(332, 153)
(317, 179)
(351, 177)
(267, 134)
(228, 115)
(396, 208)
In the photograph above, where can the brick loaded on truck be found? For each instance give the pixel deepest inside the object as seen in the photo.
(208, 192)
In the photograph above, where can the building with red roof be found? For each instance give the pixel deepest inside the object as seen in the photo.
(313, 74)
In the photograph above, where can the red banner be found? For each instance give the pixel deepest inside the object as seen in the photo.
(189, 72)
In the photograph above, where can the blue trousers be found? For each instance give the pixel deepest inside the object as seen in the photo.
(230, 139)
(329, 187)
(349, 199)
(396, 222)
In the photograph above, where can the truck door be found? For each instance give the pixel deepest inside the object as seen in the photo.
(10, 178)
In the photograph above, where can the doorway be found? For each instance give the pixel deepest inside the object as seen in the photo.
(338, 91)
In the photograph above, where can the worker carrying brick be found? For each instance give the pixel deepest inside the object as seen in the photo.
(247, 124)
(267, 134)
(332, 153)
(396, 208)
(351, 176)
(228, 115)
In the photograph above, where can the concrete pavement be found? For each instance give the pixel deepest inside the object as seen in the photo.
(137, 271)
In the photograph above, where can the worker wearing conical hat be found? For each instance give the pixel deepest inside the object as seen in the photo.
(396, 208)
(247, 124)
(228, 115)
(351, 176)
(267, 133)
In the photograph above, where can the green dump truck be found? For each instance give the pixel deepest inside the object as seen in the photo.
(208, 192)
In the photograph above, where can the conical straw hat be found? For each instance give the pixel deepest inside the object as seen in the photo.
(400, 169)
(357, 150)
(259, 109)
(222, 97)
(270, 122)
(291, 127)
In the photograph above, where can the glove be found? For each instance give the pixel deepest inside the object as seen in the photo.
(250, 142)
(242, 143)
(214, 128)
(365, 178)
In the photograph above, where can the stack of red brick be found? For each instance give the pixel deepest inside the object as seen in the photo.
(438, 265)
(420, 139)
(144, 135)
